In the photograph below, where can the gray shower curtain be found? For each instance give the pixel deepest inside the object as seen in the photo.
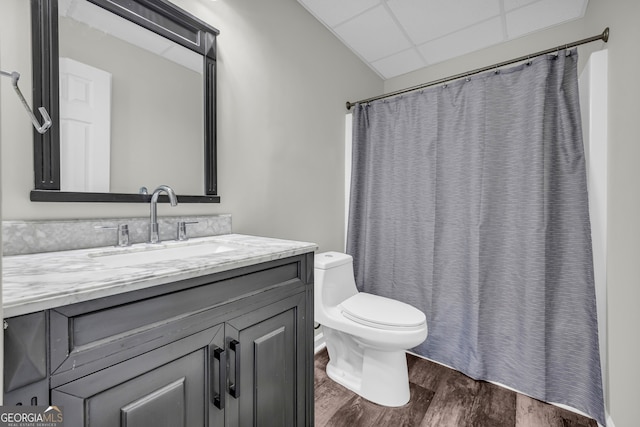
(469, 201)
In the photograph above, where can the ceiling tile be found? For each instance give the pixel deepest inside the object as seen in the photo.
(462, 42)
(514, 4)
(398, 36)
(542, 14)
(334, 12)
(374, 34)
(425, 20)
(400, 63)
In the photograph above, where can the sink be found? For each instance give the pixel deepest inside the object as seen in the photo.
(148, 254)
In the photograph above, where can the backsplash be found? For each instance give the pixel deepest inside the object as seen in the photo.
(27, 237)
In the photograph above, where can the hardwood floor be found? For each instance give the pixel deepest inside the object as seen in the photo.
(440, 397)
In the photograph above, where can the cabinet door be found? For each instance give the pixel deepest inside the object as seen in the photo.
(166, 387)
(25, 360)
(264, 362)
(170, 395)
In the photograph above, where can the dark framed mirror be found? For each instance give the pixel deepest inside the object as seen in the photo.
(72, 163)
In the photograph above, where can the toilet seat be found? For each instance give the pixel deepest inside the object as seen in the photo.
(382, 313)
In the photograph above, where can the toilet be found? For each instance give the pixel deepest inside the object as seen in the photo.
(366, 335)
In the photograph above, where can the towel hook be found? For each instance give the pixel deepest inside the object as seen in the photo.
(15, 76)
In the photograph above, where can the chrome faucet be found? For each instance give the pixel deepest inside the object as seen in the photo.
(153, 221)
(123, 233)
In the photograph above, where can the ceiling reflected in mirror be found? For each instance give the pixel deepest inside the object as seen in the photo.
(111, 24)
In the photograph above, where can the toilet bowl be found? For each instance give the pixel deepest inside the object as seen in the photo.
(366, 335)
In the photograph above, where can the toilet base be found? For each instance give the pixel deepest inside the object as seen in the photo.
(384, 379)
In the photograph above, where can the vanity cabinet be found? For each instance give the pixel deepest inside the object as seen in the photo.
(230, 349)
(25, 360)
(165, 387)
(264, 370)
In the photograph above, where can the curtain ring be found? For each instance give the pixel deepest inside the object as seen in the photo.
(528, 60)
(496, 71)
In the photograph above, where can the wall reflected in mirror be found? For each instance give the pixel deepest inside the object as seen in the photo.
(126, 92)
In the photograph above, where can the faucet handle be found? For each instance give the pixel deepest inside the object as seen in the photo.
(182, 229)
(123, 233)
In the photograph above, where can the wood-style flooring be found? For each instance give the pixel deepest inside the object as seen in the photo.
(440, 397)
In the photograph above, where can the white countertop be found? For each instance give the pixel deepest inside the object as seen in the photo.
(46, 280)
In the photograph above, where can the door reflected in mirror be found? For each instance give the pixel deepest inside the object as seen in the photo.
(131, 106)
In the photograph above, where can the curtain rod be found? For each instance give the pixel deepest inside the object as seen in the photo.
(604, 37)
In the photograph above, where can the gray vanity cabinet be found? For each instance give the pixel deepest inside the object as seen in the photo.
(25, 360)
(265, 363)
(230, 349)
(165, 387)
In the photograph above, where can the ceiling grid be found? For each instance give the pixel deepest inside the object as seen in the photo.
(395, 37)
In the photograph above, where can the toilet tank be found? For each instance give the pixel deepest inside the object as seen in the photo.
(334, 281)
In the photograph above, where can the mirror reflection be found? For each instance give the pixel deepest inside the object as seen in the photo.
(126, 93)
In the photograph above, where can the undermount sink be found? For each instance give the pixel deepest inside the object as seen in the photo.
(147, 254)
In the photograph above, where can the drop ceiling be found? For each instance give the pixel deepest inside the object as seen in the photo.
(395, 37)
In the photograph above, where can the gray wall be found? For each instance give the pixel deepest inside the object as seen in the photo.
(623, 268)
(2, 91)
(623, 253)
(282, 81)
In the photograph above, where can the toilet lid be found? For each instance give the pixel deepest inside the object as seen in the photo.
(382, 312)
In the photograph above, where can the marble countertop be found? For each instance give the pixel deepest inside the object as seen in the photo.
(46, 280)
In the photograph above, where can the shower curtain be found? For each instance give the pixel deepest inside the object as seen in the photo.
(469, 201)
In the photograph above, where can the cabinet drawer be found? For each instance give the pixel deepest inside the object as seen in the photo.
(88, 335)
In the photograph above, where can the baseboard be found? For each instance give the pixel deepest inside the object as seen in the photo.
(318, 343)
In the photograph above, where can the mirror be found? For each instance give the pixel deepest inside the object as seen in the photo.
(132, 89)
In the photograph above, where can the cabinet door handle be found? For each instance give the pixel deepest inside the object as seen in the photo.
(234, 388)
(218, 398)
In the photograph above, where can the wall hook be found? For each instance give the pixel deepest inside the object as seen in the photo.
(15, 76)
